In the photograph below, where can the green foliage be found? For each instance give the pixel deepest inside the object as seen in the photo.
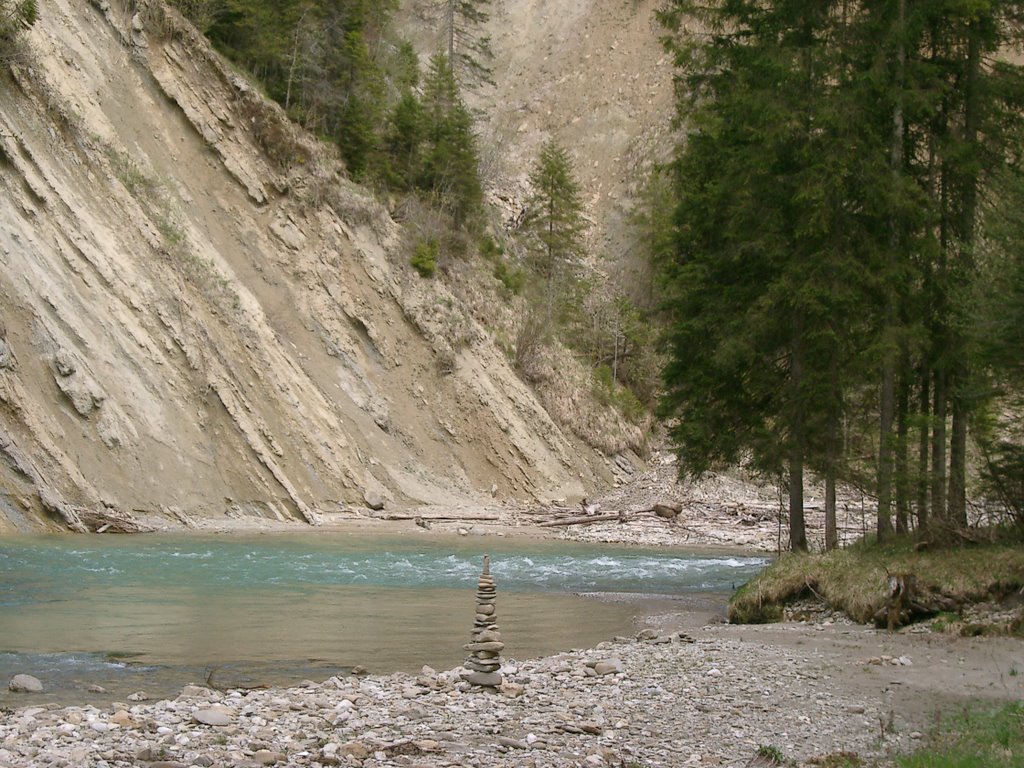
(468, 49)
(404, 141)
(553, 228)
(450, 161)
(555, 214)
(830, 196)
(512, 278)
(203, 13)
(424, 257)
(613, 394)
(653, 226)
(337, 68)
(15, 16)
(612, 332)
(998, 334)
(989, 738)
(772, 754)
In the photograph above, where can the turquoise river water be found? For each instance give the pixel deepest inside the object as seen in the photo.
(155, 612)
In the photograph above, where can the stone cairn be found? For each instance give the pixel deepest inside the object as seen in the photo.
(485, 651)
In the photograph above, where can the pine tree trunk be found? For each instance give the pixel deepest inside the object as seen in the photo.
(958, 464)
(903, 446)
(797, 532)
(924, 409)
(888, 394)
(832, 449)
(831, 529)
(939, 445)
(885, 449)
(969, 204)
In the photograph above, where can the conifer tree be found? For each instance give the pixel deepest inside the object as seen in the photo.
(450, 168)
(469, 49)
(555, 221)
(405, 141)
(771, 264)
(832, 190)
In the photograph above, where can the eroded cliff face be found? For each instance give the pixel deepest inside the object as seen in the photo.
(200, 317)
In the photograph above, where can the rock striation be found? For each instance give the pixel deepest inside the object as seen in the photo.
(484, 663)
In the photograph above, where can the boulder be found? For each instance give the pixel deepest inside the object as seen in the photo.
(25, 684)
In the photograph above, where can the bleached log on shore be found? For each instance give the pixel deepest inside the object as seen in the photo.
(606, 518)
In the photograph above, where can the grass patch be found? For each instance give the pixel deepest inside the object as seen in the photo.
(982, 739)
(854, 580)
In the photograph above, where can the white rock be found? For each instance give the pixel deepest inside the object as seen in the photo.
(25, 684)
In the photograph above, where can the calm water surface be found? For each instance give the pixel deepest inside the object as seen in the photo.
(156, 612)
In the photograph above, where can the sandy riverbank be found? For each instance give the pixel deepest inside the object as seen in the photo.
(709, 696)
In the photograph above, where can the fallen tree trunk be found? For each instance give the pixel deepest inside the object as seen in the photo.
(606, 518)
(441, 517)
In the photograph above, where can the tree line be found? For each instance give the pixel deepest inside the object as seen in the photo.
(339, 69)
(845, 283)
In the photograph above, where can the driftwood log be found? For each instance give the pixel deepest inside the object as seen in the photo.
(562, 516)
(605, 518)
(109, 520)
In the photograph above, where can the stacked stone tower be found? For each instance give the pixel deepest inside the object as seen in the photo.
(484, 660)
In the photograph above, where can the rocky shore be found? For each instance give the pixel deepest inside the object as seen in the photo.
(663, 701)
(706, 696)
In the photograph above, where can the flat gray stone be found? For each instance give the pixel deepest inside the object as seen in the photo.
(212, 717)
(608, 667)
(493, 679)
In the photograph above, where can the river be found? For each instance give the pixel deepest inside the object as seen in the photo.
(154, 612)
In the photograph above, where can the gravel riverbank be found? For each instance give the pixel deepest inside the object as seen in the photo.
(702, 696)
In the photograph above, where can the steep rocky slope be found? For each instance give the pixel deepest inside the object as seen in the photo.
(200, 317)
(591, 73)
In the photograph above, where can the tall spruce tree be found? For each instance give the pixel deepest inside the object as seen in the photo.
(772, 262)
(468, 48)
(555, 221)
(450, 166)
(838, 171)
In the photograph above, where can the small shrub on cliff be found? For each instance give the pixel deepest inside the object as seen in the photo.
(424, 258)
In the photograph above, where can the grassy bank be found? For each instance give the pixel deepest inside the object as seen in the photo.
(855, 580)
(983, 739)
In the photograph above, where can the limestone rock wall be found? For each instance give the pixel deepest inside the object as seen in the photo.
(200, 317)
